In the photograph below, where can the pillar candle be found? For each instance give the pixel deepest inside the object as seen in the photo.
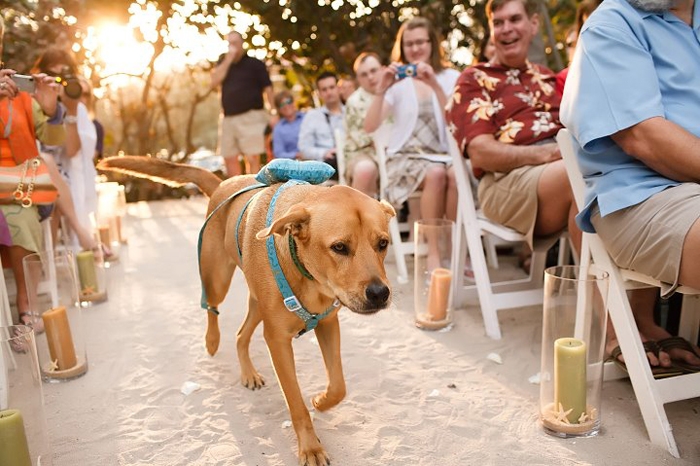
(59, 337)
(570, 376)
(120, 233)
(105, 235)
(14, 449)
(87, 272)
(439, 293)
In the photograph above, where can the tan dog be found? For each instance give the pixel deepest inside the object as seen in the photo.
(341, 237)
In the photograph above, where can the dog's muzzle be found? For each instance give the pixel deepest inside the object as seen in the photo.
(377, 294)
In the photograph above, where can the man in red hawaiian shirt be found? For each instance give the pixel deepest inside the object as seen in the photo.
(504, 115)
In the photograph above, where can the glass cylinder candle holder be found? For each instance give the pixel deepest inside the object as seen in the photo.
(573, 345)
(121, 215)
(24, 439)
(52, 288)
(92, 279)
(108, 221)
(433, 273)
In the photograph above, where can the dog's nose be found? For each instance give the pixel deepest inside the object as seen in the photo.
(377, 293)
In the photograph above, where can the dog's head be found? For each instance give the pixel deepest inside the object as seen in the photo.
(342, 238)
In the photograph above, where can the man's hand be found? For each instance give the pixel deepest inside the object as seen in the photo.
(329, 154)
(549, 153)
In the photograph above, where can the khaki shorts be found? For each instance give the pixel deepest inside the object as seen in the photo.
(511, 198)
(648, 237)
(24, 226)
(243, 134)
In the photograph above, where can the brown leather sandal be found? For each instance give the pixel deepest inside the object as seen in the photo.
(650, 346)
(671, 343)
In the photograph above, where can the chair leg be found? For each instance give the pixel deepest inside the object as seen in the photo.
(647, 394)
(398, 251)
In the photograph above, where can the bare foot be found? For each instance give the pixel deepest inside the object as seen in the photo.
(657, 333)
(663, 359)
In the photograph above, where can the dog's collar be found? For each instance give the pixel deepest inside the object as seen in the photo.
(291, 302)
(295, 258)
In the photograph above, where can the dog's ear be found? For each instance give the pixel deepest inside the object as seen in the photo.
(295, 219)
(388, 209)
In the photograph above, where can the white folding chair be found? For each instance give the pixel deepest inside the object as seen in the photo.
(651, 394)
(340, 156)
(6, 314)
(472, 227)
(400, 248)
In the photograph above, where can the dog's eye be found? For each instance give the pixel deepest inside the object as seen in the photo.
(340, 248)
(383, 244)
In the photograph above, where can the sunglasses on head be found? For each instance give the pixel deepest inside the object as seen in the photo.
(286, 101)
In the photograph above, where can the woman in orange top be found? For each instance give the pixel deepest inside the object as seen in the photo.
(18, 133)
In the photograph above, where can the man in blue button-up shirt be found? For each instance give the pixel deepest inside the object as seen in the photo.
(317, 134)
(632, 102)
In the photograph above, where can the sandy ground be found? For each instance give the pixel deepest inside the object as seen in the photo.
(414, 397)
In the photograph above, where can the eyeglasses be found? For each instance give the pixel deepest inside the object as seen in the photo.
(416, 43)
(286, 101)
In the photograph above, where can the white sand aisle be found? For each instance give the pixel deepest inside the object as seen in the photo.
(414, 397)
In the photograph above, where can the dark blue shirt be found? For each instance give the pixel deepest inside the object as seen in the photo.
(285, 137)
(242, 88)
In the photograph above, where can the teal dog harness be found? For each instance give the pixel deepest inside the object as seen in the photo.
(293, 173)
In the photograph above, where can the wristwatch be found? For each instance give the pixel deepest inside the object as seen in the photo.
(70, 119)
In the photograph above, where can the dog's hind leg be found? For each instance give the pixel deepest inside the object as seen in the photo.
(216, 280)
(328, 335)
(250, 377)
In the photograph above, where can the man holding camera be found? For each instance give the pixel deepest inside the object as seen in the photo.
(244, 82)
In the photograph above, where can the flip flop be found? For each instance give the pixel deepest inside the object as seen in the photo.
(671, 343)
(650, 346)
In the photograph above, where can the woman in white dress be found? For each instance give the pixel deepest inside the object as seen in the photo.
(415, 104)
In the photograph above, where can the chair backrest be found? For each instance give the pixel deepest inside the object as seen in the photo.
(568, 154)
(340, 156)
(381, 141)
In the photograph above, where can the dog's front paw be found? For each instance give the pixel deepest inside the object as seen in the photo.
(316, 456)
(252, 380)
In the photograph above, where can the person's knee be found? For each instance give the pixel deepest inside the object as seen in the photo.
(365, 171)
(436, 177)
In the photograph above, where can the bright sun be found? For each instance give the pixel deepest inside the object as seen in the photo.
(126, 50)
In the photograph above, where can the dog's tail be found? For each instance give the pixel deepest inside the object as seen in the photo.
(161, 171)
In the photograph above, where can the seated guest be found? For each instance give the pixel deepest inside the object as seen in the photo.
(361, 167)
(317, 133)
(346, 86)
(416, 103)
(20, 231)
(635, 124)
(285, 134)
(504, 114)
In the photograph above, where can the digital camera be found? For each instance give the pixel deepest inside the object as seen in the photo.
(24, 83)
(71, 84)
(406, 71)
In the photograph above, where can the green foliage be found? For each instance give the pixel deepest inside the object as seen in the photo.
(176, 110)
